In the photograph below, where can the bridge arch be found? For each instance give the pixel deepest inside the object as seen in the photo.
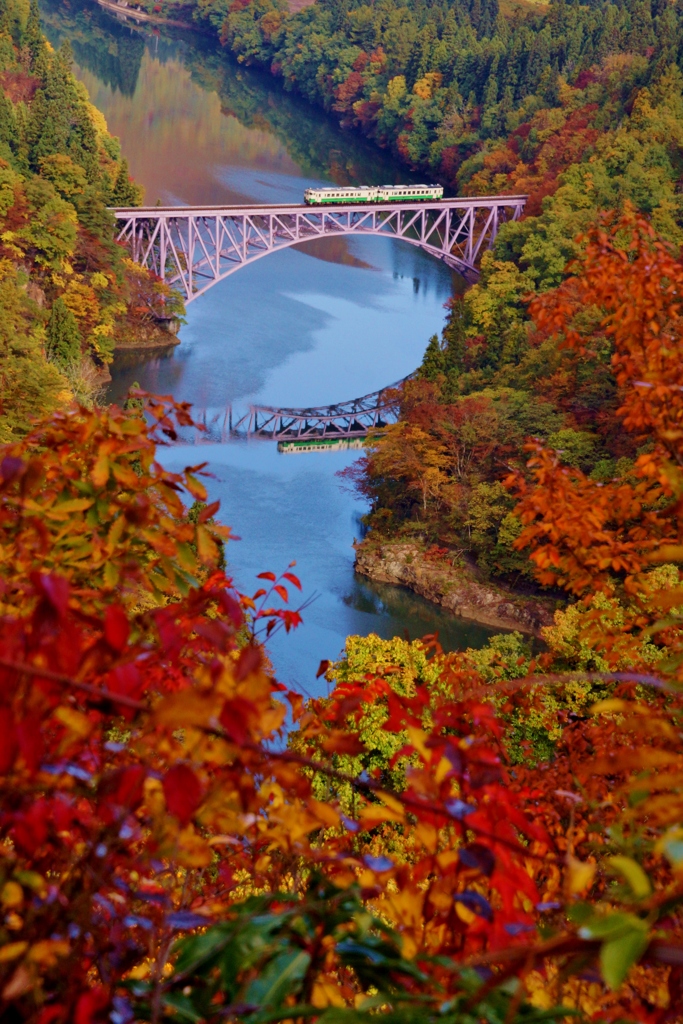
(193, 248)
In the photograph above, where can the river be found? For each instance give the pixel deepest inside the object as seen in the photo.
(324, 323)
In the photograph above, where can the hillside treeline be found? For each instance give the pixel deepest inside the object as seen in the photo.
(68, 293)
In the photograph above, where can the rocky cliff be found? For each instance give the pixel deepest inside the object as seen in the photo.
(456, 588)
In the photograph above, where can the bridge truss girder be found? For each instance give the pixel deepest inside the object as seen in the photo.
(345, 420)
(192, 248)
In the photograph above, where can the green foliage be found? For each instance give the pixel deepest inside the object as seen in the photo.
(493, 528)
(125, 191)
(28, 383)
(262, 960)
(404, 664)
(57, 166)
(63, 336)
(575, 447)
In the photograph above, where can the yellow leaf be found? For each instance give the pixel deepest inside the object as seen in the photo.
(187, 709)
(417, 738)
(73, 505)
(139, 971)
(100, 471)
(12, 895)
(634, 875)
(441, 900)
(207, 548)
(111, 575)
(116, 531)
(196, 489)
(464, 913)
(446, 859)
(667, 553)
(48, 951)
(324, 812)
(326, 993)
(580, 875)
(33, 881)
(609, 706)
(427, 835)
(11, 950)
(392, 802)
(372, 815)
(78, 724)
(193, 851)
(124, 475)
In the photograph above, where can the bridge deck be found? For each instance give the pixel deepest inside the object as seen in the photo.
(124, 212)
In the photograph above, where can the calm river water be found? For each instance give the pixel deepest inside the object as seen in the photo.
(303, 327)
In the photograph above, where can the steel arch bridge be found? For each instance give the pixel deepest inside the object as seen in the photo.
(343, 421)
(192, 248)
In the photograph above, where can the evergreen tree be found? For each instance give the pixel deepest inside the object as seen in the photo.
(63, 336)
(125, 192)
(434, 362)
(454, 336)
(34, 42)
(8, 125)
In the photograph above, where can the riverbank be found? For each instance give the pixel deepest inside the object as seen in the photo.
(135, 14)
(455, 588)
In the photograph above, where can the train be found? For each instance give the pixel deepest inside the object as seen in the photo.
(373, 194)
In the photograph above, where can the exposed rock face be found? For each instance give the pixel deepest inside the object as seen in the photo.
(455, 588)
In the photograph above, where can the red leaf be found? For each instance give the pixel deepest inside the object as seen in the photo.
(297, 702)
(55, 589)
(209, 511)
(183, 792)
(122, 788)
(232, 609)
(282, 591)
(89, 1006)
(249, 661)
(8, 739)
(30, 829)
(292, 579)
(51, 1013)
(226, 876)
(126, 680)
(322, 668)
(235, 718)
(267, 576)
(116, 627)
(30, 737)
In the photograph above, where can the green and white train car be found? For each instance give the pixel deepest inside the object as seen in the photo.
(373, 194)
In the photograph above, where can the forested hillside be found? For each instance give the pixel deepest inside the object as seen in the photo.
(68, 293)
(581, 107)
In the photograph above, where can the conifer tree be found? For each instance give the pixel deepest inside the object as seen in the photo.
(34, 42)
(434, 362)
(63, 336)
(125, 191)
(8, 125)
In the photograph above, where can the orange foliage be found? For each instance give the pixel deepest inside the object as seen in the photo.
(583, 533)
(146, 790)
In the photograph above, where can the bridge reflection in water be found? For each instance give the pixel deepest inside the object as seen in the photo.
(193, 248)
(343, 421)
